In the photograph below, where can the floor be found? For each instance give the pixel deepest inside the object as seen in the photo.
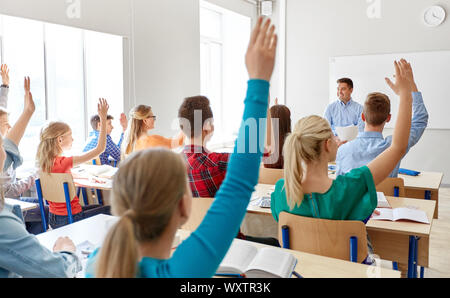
(440, 239)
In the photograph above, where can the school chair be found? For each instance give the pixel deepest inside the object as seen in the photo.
(199, 208)
(57, 188)
(394, 187)
(339, 239)
(270, 176)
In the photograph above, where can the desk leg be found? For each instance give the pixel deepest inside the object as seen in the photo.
(85, 197)
(99, 196)
(395, 265)
(412, 257)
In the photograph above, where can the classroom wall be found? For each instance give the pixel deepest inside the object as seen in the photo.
(319, 29)
(161, 45)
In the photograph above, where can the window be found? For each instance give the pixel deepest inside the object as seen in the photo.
(224, 39)
(69, 69)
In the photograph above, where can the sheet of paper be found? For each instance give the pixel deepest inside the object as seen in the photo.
(385, 214)
(382, 201)
(347, 133)
(411, 214)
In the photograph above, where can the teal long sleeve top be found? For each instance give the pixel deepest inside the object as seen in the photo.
(201, 254)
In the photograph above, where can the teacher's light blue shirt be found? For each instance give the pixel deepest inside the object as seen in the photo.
(369, 144)
(340, 114)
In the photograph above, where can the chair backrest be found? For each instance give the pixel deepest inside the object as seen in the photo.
(200, 207)
(330, 238)
(52, 185)
(388, 187)
(96, 161)
(270, 176)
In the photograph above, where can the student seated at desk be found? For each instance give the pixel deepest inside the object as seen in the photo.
(21, 254)
(152, 196)
(308, 191)
(206, 170)
(371, 142)
(277, 135)
(56, 138)
(137, 137)
(112, 149)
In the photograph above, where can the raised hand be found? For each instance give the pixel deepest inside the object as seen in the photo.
(103, 108)
(260, 57)
(4, 71)
(123, 121)
(29, 105)
(404, 78)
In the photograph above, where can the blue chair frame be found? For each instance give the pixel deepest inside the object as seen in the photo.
(41, 203)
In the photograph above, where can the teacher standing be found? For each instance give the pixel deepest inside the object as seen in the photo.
(344, 111)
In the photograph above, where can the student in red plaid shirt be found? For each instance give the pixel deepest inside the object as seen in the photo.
(206, 170)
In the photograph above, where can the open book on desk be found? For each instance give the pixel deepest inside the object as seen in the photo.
(403, 213)
(267, 262)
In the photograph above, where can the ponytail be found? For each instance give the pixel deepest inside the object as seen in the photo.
(119, 254)
(304, 145)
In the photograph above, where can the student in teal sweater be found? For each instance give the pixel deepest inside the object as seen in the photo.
(153, 199)
(308, 191)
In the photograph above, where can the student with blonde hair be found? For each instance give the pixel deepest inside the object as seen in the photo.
(152, 197)
(56, 138)
(307, 190)
(21, 254)
(142, 121)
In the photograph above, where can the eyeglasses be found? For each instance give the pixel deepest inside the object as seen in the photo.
(154, 117)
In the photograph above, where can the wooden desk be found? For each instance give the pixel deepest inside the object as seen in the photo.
(94, 230)
(315, 266)
(25, 206)
(425, 186)
(83, 178)
(392, 240)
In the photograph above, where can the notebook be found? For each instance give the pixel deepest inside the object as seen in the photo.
(403, 213)
(267, 262)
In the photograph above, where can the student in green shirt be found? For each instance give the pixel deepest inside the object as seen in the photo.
(308, 191)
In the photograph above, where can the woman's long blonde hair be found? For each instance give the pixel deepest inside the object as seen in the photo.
(146, 190)
(302, 146)
(135, 127)
(49, 148)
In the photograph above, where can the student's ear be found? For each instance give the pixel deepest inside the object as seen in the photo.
(363, 117)
(388, 118)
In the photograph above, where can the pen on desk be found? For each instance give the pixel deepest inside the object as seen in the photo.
(296, 274)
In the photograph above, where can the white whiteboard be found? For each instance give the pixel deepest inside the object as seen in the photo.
(431, 73)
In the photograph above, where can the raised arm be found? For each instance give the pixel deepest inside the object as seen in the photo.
(101, 144)
(210, 242)
(16, 133)
(381, 166)
(4, 89)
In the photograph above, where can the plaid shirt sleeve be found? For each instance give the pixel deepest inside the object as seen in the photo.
(112, 149)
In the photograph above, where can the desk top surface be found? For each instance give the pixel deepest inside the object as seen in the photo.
(402, 227)
(25, 206)
(94, 229)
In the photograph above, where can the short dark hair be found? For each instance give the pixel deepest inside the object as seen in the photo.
(347, 81)
(186, 113)
(95, 120)
(377, 108)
